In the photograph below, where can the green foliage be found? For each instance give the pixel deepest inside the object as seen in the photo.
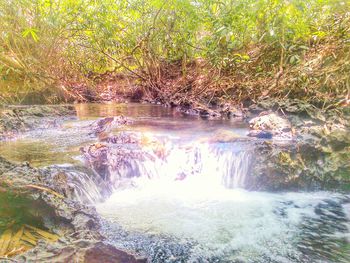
(32, 32)
(46, 41)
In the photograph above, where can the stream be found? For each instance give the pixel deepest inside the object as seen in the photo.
(191, 202)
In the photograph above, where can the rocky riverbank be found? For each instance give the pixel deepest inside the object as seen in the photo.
(17, 119)
(51, 198)
(76, 224)
(318, 156)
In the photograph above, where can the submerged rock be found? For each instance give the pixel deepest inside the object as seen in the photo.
(222, 136)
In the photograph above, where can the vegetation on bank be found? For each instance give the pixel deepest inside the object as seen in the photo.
(180, 51)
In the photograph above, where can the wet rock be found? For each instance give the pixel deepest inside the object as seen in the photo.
(79, 251)
(303, 165)
(291, 106)
(226, 110)
(201, 111)
(105, 125)
(122, 138)
(209, 113)
(261, 134)
(231, 111)
(270, 124)
(95, 156)
(187, 110)
(14, 120)
(77, 224)
(119, 156)
(338, 139)
(223, 136)
(331, 143)
(77, 183)
(110, 160)
(277, 167)
(37, 185)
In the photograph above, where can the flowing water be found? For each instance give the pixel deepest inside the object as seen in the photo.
(189, 202)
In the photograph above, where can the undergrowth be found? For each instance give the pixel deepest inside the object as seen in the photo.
(177, 52)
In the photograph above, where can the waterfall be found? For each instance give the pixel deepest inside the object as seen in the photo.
(200, 165)
(86, 189)
(79, 183)
(220, 164)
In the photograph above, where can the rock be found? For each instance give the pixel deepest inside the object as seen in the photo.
(78, 183)
(209, 113)
(14, 120)
(311, 164)
(223, 136)
(231, 111)
(261, 134)
(338, 139)
(105, 125)
(77, 224)
(270, 125)
(122, 138)
(201, 111)
(37, 184)
(111, 161)
(95, 157)
(123, 152)
(79, 251)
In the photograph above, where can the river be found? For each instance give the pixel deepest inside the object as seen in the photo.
(193, 202)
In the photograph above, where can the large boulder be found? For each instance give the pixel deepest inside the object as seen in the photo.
(270, 125)
(312, 164)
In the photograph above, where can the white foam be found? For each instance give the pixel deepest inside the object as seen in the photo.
(215, 165)
(222, 220)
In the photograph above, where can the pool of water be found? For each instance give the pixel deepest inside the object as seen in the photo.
(234, 225)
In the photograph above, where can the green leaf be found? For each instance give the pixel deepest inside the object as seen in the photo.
(32, 32)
